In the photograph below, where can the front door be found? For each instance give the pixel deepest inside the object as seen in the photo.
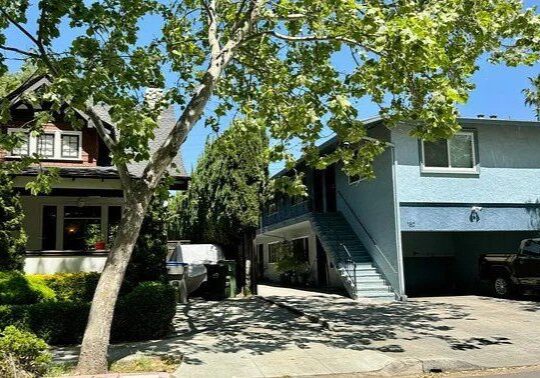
(322, 265)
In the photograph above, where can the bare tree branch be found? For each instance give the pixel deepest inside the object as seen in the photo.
(19, 51)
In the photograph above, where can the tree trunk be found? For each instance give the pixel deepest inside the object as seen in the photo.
(94, 348)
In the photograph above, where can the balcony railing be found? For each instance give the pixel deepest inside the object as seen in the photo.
(287, 211)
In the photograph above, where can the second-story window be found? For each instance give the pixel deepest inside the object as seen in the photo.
(51, 145)
(23, 149)
(70, 146)
(45, 145)
(457, 154)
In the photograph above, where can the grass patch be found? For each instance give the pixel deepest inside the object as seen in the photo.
(146, 364)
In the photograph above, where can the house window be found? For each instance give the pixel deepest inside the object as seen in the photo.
(55, 145)
(23, 149)
(82, 227)
(70, 146)
(457, 154)
(48, 229)
(45, 145)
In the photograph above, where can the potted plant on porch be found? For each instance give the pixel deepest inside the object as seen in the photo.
(292, 269)
(94, 238)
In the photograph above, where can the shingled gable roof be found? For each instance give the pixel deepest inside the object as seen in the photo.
(165, 123)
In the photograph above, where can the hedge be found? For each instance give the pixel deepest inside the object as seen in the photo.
(143, 314)
(16, 288)
(78, 287)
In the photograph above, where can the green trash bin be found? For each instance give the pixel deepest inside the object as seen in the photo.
(231, 277)
(216, 280)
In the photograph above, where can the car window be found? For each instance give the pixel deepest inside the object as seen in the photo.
(532, 248)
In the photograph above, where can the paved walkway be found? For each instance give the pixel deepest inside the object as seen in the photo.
(252, 338)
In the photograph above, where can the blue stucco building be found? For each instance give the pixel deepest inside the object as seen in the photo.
(421, 225)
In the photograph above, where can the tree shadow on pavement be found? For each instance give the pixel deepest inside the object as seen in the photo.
(254, 327)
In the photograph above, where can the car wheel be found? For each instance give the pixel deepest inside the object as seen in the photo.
(502, 287)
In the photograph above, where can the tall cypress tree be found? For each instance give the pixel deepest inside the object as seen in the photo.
(226, 192)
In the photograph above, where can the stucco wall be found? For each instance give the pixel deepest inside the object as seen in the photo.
(462, 218)
(373, 202)
(509, 160)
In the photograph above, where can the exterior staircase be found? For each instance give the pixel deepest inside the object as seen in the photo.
(357, 271)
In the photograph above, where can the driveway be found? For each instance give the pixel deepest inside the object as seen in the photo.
(247, 338)
(253, 338)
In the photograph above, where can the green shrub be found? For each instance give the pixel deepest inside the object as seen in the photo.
(79, 287)
(16, 288)
(22, 354)
(145, 313)
(59, 322)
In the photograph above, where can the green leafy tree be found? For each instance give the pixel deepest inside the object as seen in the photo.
(227, 189)
(532, 96)
(10, 81)
(269, 61)
(12, 235)
(176, 217)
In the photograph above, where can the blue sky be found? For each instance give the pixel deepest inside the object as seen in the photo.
(498, 92)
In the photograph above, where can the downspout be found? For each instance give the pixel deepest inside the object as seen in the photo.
(397, 226)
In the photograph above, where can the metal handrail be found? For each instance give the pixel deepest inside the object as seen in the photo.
(349, 207)
(352, 262)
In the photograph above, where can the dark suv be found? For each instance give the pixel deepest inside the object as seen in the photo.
(508, 273)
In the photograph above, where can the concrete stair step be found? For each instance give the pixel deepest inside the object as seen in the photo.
(370, 279)
(376, 294)
(375, 289)
(370, 286)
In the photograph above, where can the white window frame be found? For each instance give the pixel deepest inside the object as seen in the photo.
(75, 133)
(450, 169)
(33, 144)
(54, 145)
(30, 146)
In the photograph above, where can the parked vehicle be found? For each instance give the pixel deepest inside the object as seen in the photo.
(512, 272)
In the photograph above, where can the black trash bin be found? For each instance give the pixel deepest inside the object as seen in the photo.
(216, 281)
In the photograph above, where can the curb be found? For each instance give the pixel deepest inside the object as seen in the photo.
(311, 317)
